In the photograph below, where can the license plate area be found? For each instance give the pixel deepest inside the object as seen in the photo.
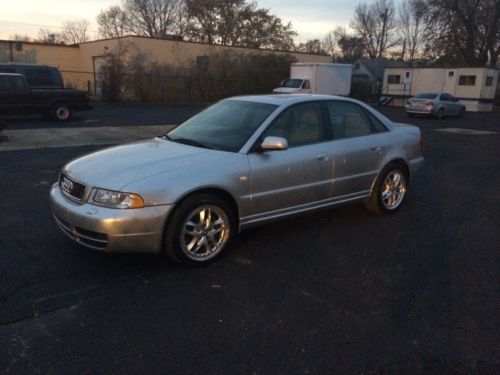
(71, 187)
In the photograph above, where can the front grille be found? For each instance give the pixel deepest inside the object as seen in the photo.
(94, 240)
(71, 187)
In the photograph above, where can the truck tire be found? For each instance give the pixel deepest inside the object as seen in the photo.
(61, 111)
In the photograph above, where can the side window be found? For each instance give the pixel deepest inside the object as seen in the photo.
(17, 83)
(350, 120)
(377, 126)
(301, 124)
(7, 70)
(39, 77)
(4, 83)
(306, 85)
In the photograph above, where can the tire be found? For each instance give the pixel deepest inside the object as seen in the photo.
(61, 111)
(389, 190)
(411, 115)
(199, 230)
(440, 113)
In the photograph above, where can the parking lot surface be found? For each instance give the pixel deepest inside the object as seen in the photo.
(340, 291)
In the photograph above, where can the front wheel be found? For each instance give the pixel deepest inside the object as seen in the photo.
(389, 190)
(61, 112)
(199, 231)
(440, 113)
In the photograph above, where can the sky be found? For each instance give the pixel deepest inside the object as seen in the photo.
(311, 18)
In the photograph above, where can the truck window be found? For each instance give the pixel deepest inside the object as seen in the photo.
(4, 83)
(7, 70)
(39, 77)
(17, 83)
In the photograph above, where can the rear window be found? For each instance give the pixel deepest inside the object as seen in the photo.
(39, 77)
(7, 70)
(426, 96)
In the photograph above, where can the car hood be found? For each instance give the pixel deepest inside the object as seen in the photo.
(114, 168)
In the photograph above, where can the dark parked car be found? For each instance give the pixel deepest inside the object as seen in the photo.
(37, 76)
(16, 97)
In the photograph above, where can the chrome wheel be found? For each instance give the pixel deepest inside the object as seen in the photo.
(204, 233)
(393, 189)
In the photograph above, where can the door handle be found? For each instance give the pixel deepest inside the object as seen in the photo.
(376, 148)
(322, 157)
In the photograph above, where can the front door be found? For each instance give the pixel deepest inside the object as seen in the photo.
(298, 177)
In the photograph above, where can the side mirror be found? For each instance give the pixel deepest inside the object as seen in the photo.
(274, 144)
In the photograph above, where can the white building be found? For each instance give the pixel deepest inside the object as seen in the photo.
(475, 87)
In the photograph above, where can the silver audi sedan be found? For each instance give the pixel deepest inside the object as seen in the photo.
(241, 162)
(435, 104)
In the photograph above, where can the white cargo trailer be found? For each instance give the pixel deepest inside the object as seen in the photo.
(317, 78)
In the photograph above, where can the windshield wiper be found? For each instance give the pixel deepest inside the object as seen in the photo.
(187, 141)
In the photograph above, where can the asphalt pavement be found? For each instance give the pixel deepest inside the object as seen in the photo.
(339, 291)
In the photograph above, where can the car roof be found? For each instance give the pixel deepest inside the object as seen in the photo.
(11, 74)
(286, 99)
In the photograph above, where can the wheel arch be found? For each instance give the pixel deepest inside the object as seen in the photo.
(60, 100)
(399, 161)
(218, 192)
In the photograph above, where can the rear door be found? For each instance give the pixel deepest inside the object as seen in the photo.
(359, 148)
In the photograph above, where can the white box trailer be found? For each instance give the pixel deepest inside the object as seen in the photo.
(317, 78)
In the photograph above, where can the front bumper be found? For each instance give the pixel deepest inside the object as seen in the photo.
(111, 230)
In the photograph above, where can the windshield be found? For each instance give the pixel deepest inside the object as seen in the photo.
(292, 83)
(225, 126)
(426, 96)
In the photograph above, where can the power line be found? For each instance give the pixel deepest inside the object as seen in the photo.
(40, 25)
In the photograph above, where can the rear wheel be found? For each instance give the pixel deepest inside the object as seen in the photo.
(61, 111)
(199, 230)
(390, 189)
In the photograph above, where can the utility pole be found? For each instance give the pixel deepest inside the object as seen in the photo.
(384, 27)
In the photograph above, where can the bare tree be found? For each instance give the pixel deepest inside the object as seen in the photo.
(351, 46)
(411, 15)
(113, 22)
(154, 18)
(20, 38)
(238, 23)
(375, 25)
(49, 36)
(75, 32)
(329, 43)
(465, 31)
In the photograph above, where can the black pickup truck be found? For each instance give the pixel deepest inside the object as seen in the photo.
(17, 98)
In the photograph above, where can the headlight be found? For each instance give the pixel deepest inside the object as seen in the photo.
(115, 199)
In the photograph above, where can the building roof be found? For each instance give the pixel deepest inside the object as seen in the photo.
(377, 67)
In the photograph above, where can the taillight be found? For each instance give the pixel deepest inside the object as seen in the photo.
(430, 104)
